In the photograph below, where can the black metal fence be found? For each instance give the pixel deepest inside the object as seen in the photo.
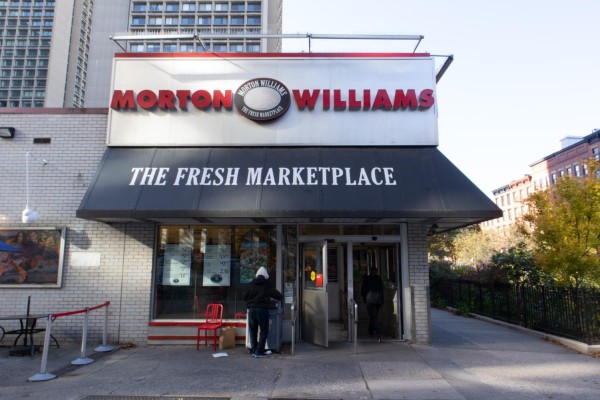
(565, 312)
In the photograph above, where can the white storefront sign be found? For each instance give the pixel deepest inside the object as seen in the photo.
(267, 100)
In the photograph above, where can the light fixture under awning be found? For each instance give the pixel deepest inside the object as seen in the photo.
(291, 183)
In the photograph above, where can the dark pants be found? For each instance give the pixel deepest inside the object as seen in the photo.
(374, 325)
(258, 318)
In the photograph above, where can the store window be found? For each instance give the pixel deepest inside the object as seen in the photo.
(201, 265)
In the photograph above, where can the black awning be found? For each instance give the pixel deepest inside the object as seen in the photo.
(273, 183)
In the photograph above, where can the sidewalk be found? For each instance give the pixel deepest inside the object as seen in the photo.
(469, 359)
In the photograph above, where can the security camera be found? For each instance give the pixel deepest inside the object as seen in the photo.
(29, 216)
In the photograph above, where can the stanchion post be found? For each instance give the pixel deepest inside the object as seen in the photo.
(293, 327)
(105, 346)
(355, 326)
(83, 360)
(43, 375)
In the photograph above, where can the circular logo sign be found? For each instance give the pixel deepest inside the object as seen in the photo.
(262, 99)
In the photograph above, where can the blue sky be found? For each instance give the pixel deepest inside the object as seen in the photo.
(525, 73)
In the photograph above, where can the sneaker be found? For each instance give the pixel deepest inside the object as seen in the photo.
(258, 355)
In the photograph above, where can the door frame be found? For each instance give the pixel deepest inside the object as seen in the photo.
(403, 289)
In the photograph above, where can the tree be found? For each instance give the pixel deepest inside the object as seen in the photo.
(441, 247)
(566, 228)
(517, 266)
(474, 247)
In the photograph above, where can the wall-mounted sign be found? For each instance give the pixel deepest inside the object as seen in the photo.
(273, 100)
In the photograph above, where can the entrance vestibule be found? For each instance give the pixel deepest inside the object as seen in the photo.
(329, 294)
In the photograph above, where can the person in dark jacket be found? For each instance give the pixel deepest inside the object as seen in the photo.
(372, 293)
(258, 299)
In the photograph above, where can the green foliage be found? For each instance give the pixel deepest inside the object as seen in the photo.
(440, 303)
(465, 307)
(441, 247)
(566, 228)
(517, 266)
(441, 270)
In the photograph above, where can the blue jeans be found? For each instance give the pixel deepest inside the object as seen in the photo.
(258, 318)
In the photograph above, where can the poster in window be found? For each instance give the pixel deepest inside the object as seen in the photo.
(178, 264)
(217, 265)
(31, 257)
(253, 256)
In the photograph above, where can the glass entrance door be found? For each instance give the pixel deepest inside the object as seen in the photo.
(384, 259)
(315, 306)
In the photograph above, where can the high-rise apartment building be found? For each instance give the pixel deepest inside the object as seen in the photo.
(44, 52)
(59, 53)
(222, 26)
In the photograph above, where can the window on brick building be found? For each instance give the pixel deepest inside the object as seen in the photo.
(577, 170)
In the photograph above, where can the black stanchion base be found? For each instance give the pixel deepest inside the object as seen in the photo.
(23, 351)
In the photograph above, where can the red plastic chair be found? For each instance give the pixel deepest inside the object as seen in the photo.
(214, 320)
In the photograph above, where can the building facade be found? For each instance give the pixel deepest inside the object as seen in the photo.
(569, 160)
(59, 53)
(175, 196)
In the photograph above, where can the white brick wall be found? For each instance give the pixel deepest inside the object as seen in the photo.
(419, 282)
(56, 189)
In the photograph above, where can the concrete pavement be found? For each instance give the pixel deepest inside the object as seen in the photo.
(469, 359)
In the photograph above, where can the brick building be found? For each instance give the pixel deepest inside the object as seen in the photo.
(569, 160)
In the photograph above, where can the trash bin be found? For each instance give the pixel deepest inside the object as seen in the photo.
(274, 336)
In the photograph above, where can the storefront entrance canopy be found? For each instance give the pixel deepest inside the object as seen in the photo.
(284, 185)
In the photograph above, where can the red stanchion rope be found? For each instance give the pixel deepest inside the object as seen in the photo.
(65, 314)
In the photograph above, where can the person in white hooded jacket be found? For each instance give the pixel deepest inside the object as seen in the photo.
(258, 299)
